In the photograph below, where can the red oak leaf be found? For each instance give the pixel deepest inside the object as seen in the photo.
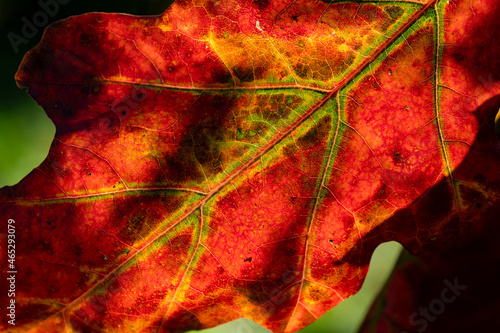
(239, 158)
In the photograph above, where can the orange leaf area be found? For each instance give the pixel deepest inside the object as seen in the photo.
(236, 158)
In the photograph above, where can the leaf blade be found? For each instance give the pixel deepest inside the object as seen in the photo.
(307, 155)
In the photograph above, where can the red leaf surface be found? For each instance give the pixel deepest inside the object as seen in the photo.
(236, 159)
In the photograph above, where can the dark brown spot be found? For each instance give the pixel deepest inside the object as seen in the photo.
(77, 249)
(458, 57)
(394, 11)
(397, 157)
(67, 113)
(46, 247)
(52, 225)
(262, 4)
(139, 96)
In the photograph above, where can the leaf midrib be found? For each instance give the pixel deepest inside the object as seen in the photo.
(270, 145)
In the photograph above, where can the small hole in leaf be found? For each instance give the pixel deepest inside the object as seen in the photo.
(67, 113)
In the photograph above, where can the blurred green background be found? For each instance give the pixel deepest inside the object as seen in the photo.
(26, 134)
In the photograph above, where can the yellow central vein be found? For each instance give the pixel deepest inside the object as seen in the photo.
(316, 202)
(437, 108)
(272, 143)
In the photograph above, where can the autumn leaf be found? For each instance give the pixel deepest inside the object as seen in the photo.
(236, 159)
(456, 291)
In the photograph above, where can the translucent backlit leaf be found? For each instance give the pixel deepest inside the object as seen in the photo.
(239, 158)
